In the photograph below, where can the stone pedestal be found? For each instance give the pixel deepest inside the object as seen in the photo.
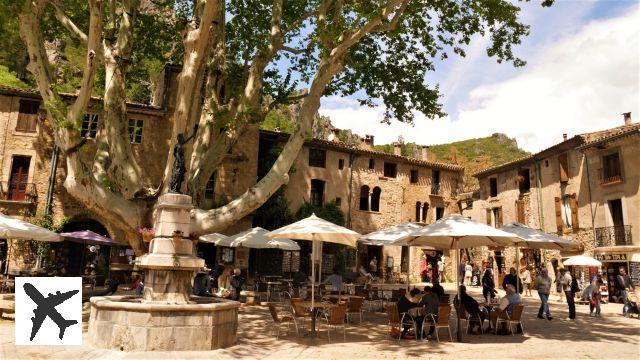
(166, 317)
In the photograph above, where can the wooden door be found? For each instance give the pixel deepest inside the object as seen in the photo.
(19, 178)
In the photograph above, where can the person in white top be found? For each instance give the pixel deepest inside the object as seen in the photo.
(468, 272)
(525, 277)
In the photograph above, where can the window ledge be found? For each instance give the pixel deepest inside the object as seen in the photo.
(370, 212)
(611, 181)
(25, 133)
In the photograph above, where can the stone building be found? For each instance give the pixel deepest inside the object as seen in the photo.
(374, 190)
(584, 188)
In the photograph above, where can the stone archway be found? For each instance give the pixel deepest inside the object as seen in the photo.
(75, 257)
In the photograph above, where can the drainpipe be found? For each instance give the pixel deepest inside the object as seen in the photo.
(52, 180)
(593, 215)
(352, 157)
(540, 209)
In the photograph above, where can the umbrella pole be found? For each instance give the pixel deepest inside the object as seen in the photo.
(518, 271)
(458, 322)
(313, 283)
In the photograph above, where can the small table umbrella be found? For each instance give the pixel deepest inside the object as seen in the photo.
(317, 231)
(535, 239)
(257, 238)
(212, 238)
(581, 260)
(457, 232)
(88, 237)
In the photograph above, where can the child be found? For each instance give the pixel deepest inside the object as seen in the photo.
(596, 297)
(525, 277)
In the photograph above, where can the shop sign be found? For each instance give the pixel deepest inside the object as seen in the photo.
(611, 257)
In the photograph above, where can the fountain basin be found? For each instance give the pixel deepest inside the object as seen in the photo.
(127, 323)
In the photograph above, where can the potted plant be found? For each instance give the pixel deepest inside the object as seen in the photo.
(147, 234)
(176, 237)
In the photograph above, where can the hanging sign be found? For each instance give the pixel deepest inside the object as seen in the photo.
(611, 257)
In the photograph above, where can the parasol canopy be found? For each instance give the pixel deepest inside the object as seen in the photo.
(256, 238)
(536, 239)
(213, 238)
(387, 236)
(11, 228)
(88, 237)
(581, 260)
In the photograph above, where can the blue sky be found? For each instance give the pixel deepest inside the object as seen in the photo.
(582, 73)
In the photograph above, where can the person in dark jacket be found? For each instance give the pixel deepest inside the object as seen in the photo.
(431, 302)
(472, 308)
(437, 288)
(236, 283)
(407, 302)
(488, 286)
(217, 270)
(512, 278)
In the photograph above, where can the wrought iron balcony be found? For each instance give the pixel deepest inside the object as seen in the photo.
(19, 192)
(435, 189)
(613, 236)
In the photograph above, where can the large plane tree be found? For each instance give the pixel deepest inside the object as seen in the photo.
(239, 60)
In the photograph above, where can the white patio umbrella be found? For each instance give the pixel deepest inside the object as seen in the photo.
(457, 232)
(581, 260)
(256, 238)
(317, 231)
(212, 238)
(535, 239)
(11, 228)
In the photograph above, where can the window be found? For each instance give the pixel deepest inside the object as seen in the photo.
(372, 164)
(418, 208)
(493, 187)
(497, 217)
(364, 198)
(563, 167)
(375, 199)
(89, 126)
(317, 192)
(520, 212)
(546, 163)
(404, 259)
(28, 116)
(439, 213)
(340, 164)
(524, 181)
(567, 213)
(19, 176)
(611, 168)
(390, 169)
(414, 177)
(435, 182)
(210, 187)
(425, 210)
(338, 201)
(135, 130)
(317, 157)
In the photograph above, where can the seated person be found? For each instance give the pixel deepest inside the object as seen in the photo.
(335, 281)
(510, 279)
(437, 288)
(507, 304)
(201, 285)
(138, 285)
(430, 302)
(471, 306)
(409, 301)
(370, 278)
(224, 283)
(236, 284)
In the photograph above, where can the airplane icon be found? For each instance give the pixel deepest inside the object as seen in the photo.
(47, 307)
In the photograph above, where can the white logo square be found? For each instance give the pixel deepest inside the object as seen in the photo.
(48, 311)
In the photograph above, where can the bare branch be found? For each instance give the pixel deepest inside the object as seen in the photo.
(292, 50)
(68, 23)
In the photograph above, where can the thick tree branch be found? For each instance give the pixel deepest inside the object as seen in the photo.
(68, 23)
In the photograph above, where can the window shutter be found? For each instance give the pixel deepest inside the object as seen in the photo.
(489, 217)
(574, 212)
(520, 211)
(564, 167)
(33, 121)
(559, 224)
(499, 222)
(21, 124)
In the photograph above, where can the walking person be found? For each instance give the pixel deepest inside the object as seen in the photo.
(525, 277)
(468, 272)
(440, 269)
(623, 282)
(488, 286)
(559, 285)
(544, 288)
(565, 281)
(596, 299)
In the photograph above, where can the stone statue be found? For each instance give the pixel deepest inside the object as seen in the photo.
(179, 168)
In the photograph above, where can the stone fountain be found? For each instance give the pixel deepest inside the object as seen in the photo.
(166, 317)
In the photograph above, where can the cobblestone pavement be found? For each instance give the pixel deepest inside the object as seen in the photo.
(611, 336)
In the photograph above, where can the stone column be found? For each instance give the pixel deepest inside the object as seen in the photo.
(171, 263)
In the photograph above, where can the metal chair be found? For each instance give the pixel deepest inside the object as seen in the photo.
(463, 315)
(355, 307)
(279, 320)
(335, 317)
(512, 320)
(394, 319)
(298, 311)
(373, 296)
(442, 321)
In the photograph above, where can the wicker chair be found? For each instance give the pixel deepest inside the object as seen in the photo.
(355, 307)
(279, 320)
(335, 318)
(512, 320)
(442, 321)
(298, 311)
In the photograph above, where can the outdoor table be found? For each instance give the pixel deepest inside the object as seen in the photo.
(269, 285)
(314, 312)
(388, 287)
(337, 297)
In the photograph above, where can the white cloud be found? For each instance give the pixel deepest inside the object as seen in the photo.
(581, 82)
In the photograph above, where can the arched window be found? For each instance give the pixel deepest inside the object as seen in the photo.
(418, 207)
(375, 199)
(425, 209)
(364, 198)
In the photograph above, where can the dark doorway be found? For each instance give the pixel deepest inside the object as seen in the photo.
(439, 213)
(19, 178)
(208, 253)
(524, 181)
(615, 207)
(77, 258)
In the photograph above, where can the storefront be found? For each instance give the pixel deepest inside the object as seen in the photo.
(619, 257)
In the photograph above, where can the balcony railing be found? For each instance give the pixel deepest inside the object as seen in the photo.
(435, 189)
(613, 236)
(609, 180)
(17, 191)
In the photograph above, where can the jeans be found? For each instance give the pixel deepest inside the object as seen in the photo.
(624, 295)
(571, 303)
(544, 305)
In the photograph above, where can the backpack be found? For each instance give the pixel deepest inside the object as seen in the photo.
(574, 286)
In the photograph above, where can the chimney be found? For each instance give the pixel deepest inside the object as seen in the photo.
(564, 137)
(627, 118)
(334, 135)
(368, 140)
(397, 150)
(425, 152)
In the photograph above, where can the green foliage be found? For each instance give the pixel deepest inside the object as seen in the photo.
(13, 54)
(278, 120)
(7, 78)
(330, 212)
